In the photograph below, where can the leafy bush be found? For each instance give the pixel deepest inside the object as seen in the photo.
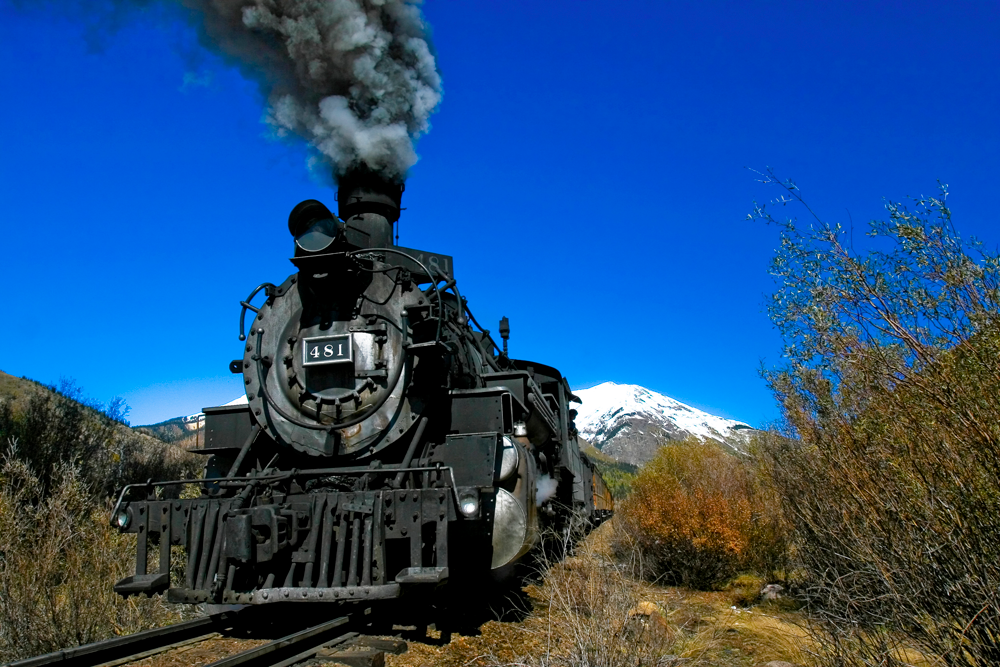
(697, 517)
(889, 465)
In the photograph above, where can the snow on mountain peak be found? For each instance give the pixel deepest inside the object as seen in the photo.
(628, 421)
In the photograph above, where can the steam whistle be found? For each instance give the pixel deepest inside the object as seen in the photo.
(504, 332)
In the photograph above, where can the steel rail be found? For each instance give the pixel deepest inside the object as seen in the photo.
(289, 649)
(311, 652)
(118, 648)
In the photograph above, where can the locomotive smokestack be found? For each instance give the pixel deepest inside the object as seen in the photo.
(369, 203)
(364, 191)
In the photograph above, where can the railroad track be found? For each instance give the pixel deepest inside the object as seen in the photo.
(330, 640)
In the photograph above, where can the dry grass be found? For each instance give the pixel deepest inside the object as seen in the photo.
(589, 612)
(58, 559)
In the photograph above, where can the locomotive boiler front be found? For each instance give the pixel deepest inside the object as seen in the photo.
(325, 365)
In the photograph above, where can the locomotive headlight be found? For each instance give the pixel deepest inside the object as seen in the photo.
(122, 518)
(468, 503)
(318, 237)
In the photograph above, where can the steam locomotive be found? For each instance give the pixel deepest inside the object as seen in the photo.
(388, 445)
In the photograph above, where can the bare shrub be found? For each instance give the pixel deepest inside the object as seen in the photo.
(889, 464)
(57, 427)
(697, 516)
(58, 559)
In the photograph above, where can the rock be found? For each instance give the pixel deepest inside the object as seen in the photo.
(780, 663)
(773, 592)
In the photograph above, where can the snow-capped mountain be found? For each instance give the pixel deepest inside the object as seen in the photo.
(629, 422)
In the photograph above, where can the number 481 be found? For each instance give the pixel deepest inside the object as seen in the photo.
(327, 351)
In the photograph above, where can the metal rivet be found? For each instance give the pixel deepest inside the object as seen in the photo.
(264, 595)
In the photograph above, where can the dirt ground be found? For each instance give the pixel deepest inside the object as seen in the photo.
(587, 610)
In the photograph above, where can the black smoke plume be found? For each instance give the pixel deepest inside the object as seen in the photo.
(357, 79)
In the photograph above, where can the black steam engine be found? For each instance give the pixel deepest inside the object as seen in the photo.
(388, 444)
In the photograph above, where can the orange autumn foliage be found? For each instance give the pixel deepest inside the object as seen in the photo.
(695, 515)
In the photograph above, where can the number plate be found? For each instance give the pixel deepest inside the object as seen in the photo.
(440, 265)
(327, 350)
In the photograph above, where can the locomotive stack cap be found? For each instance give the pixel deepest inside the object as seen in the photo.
(365, 191)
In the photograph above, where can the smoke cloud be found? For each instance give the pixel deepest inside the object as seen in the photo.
(357, 79)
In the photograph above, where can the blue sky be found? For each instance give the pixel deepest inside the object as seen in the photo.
(586, 169)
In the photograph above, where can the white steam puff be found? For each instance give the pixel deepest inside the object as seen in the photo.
(357, 79)
(545, 488)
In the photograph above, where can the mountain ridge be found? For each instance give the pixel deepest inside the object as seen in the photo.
(629, 422)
